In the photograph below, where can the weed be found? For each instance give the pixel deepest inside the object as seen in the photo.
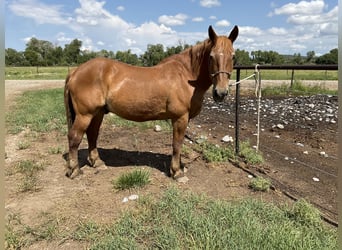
(260, 184)
(23, 145)
(305, 213)
(56, 150)
(249, 154)
(29, 169)
(134, 179)
(215, 153)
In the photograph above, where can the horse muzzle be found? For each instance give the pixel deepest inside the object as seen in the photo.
(219, 94)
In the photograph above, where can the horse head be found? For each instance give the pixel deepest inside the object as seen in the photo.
(221, 61)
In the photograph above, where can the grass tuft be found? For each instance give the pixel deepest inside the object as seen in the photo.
(215, 153)
(260, 184)
(135, 179)
(305, 213)
(250, 154)
(29, 170)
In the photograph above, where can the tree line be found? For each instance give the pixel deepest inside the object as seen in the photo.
(44, 53)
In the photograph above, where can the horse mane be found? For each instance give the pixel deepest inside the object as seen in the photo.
(193, 57)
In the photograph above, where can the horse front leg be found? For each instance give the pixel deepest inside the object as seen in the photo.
(179, 128)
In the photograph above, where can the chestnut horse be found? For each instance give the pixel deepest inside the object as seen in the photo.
(174, 89)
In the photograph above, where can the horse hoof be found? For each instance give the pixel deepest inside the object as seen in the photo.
(177, 175)
(72, 173)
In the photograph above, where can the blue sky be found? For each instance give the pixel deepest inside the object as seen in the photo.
(286, 27)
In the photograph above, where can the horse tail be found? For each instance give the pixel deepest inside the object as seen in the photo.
(69, 108)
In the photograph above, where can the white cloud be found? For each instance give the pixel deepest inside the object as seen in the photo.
(222, 23)
(176, 20)
(277, 31)
(120, 8)
(197, 19)
(62, 38)
(210, 3)
(303, 7)
(40, 12)
(213, 17)
(27, 39)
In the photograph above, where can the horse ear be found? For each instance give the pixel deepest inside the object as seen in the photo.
(234, 33)
(212, 34)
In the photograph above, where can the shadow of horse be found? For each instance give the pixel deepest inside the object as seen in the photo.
(121, 158)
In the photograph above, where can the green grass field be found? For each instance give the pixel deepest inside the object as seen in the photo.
(34, 73)
(52, 73)
(188, 221)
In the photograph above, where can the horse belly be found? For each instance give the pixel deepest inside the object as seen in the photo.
(138, 107)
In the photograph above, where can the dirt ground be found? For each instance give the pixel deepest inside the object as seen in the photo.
(91, 195)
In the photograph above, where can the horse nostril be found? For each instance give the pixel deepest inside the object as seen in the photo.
(219, 94)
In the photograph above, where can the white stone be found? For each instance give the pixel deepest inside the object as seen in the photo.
(315, 179)
(157, 128)
(133, 197)
(280, 126)
(227, 138)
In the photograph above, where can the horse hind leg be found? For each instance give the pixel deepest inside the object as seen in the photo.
(92, 135)
(179, 128)
(75, 136)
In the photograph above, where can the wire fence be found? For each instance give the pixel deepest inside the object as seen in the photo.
(321, 188)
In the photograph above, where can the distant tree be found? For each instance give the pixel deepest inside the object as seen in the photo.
(14, 58)
(57, 55)
(85, 55)
(266, 57)
(153, 55)
(127, 57)
(39, 52)
(329, 58)
(242, 57)
(297, 59)
(310, 56)
(72, 51)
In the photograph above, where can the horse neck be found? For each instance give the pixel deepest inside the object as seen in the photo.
(199, 64)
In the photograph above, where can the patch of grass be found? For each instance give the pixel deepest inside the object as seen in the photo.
(135, 179)
(188, 221)
(56, 150)
(215, 153)
(179, 220)
(297, 89)
(29, 170)
(305, 213)
(260, 184)
(20, 236)
(23, 145)
(298, 74)
(39, 73)
(250, 155)
(40, 111)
